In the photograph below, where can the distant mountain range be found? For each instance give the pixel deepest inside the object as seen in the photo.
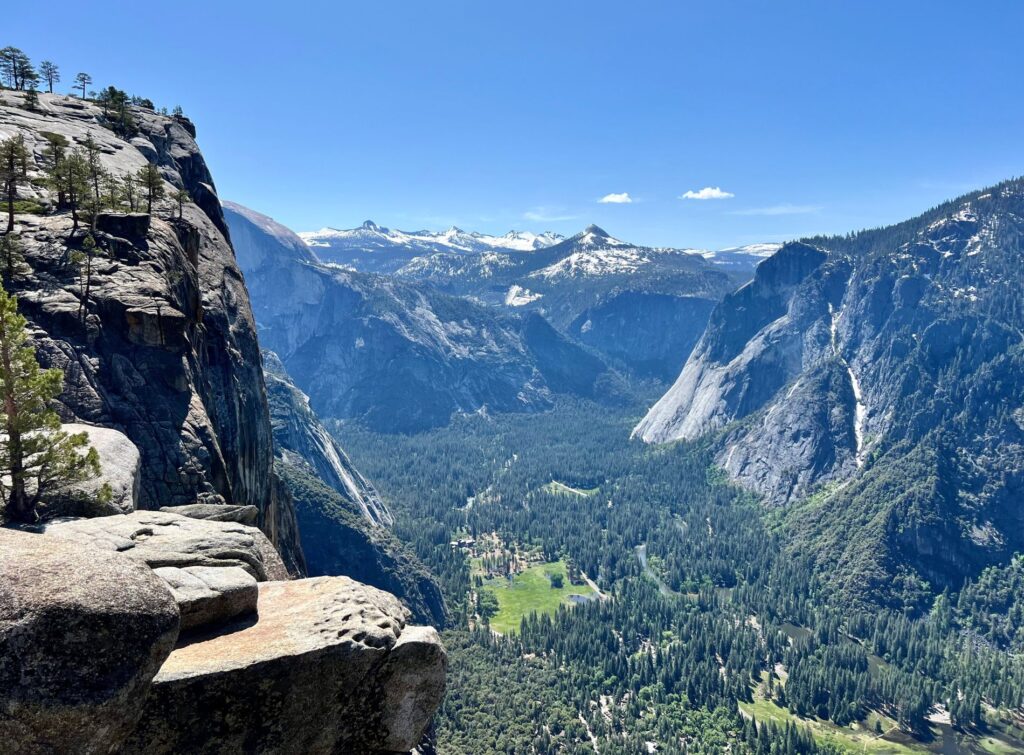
(643, 307)
(373, 248)
(397, 354)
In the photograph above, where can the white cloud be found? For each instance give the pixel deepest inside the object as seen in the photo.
(547, 215)
(780, 209)
(622, 198)
(708, 192)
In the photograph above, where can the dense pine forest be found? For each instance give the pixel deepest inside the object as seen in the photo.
(714, 632)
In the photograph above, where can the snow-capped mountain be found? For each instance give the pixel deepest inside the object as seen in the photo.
(374, 248)
(645, 306)
(593, 253)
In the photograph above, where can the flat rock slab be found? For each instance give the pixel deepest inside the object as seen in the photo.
(216, 512)
(210, 594)
(82, 633)
(328, 667)
(162, 539)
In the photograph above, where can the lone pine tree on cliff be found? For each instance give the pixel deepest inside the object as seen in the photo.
(82, 80)
(35, 454)
(50, 73)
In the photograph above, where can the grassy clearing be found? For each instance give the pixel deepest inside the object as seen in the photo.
(560, 488)
(848, 739)
(530, 591)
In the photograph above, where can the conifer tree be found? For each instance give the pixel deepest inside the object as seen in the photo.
(89, 250)
(152, 184)
(32, 98)
(82, 80)
(95, 167)
(35, 454)
(13, 171)
(130, 190)
(53, 159)
(181, 196)
(50, 73)
(11, 257)
(73, 174)
(15, 67)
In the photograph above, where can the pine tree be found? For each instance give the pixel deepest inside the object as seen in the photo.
(95, 167)
(50, 73)
(82, 80)
(32, 98)
(89, 249)
(181, 196)
(15, 67)
(53, 162)
(35, 454)
(129, 190)
(13, 171)
(11, 257)
(113, 192)
(73, 175)
(153, 184)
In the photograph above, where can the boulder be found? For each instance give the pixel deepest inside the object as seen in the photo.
(162, 539)
(210, 594)
(216, 512)
(328, 666)
(82, 633)
(120, 465)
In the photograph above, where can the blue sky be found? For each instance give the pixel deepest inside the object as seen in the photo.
(814, 116)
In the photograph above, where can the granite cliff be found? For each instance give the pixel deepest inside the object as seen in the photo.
(124, 628)
(165, 348)
(872, 384)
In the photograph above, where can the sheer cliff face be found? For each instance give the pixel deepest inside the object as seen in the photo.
(301, 440)
(881, 372)
(166, 347)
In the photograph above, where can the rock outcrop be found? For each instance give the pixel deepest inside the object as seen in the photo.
(89, 661)
(82, 634)
(328, 666)
(158, 538)
(164, 347)
(210, 594)
(217, 512)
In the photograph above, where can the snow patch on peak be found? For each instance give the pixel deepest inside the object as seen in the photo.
(518, 296)
(370, 236)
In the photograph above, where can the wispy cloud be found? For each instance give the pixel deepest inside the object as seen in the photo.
(780, 209)
(622, 198)
(708, 192)
(547, 215)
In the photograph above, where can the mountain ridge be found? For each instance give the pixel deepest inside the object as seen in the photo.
(862, 373)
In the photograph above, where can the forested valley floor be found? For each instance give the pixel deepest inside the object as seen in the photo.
(613, 597)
